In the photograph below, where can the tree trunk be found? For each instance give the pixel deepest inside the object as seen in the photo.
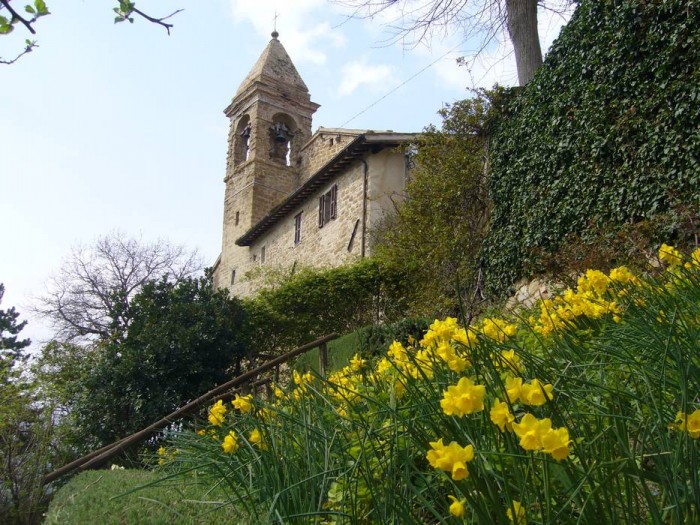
(521, 18)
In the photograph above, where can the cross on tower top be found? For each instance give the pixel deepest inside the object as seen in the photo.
(275, 34)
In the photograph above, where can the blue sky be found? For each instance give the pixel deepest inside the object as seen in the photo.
(108, 127)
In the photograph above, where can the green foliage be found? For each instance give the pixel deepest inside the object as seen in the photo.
(375, 339)
(184, 339)
(315, 303)
(605, 135)
(11, 347)
(25, 429)
(436, 233)
(116, 497)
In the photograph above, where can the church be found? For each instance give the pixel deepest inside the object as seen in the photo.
(295, 199)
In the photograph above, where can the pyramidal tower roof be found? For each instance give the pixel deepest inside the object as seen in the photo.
(274, 66)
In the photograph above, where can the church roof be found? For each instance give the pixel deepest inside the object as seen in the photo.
(356, 149)
(274, 65)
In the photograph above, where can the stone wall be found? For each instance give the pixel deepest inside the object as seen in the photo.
(323, 146)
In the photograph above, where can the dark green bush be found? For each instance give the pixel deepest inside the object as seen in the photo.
(374, 340)
(315, 303)
(605, 135)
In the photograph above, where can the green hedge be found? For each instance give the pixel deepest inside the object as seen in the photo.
(315, 303)
(605, 135)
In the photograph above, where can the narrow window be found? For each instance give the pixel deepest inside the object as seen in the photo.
(297, 228)
(262, 255)
(233, 276)
(334, 201)
(237, 217)
(328, 206)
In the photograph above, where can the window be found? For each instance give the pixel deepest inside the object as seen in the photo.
(233, 276)
(297, 228)
(328, 206)
(262, 255)
(237, 217)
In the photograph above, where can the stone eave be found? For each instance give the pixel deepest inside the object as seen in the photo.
(357, 149)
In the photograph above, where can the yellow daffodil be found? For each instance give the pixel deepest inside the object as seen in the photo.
(622, 275)
(509, 360)
(501, 416)
(518, 518)
(230, 443)
(356, 363)
(670, 255)
(457, 506)
(535, 393)
(514, 386)
(216, 413)
(688, 423)
(463, 398)
(451, 458)
(244, 404)
(530, 431)
(498, 330)
(556, 443)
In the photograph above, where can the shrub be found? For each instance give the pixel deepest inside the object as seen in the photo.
(315, 303)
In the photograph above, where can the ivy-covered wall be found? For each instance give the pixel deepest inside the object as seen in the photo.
(607, 133)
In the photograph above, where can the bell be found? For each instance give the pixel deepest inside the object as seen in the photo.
(246, 132)
(281, 132)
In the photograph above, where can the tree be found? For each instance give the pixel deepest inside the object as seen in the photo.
(10, 346)
(435, 235)
(418, 19)
(90, 297)
(30, 13)
(184, 339)
(23, 437)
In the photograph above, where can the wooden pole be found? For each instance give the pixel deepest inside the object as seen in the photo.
(98, 457)
(323, 358)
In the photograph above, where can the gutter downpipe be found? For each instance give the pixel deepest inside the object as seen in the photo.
(364, 207)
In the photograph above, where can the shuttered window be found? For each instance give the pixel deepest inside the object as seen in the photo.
(328, 206)
(297, 228)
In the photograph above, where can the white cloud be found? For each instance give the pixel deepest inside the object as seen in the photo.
(357, 73)
(305, 36)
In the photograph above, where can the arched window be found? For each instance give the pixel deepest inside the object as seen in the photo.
(241, 140)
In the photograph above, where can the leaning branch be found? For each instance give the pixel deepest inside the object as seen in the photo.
(31, 44)
(159, 21)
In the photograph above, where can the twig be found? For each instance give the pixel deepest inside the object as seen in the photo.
(158, 21)
(30, 45)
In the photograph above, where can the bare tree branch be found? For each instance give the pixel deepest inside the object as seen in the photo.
(158, 21)
(415, 22)
(29, 47)
(90, 296)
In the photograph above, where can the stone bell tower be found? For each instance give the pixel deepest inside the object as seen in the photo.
(270, 122)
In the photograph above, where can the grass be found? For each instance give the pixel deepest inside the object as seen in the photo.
(120, 497)
(340, 351)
